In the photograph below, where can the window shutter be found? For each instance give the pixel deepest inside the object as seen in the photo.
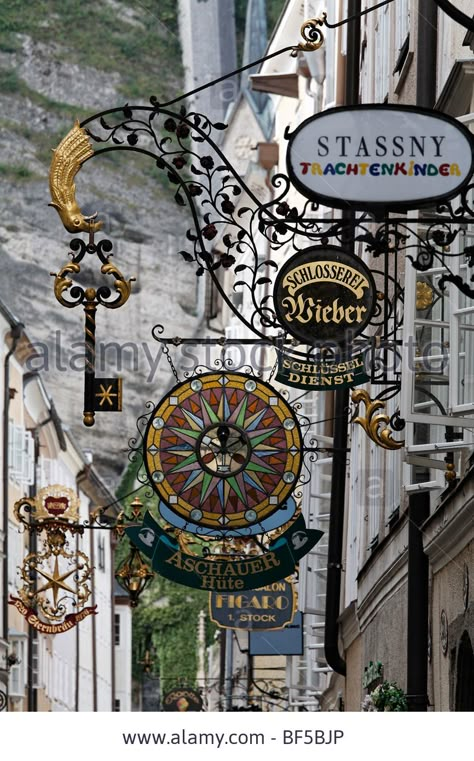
(35, 664)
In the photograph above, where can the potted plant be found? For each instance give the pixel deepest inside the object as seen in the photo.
(388, 696)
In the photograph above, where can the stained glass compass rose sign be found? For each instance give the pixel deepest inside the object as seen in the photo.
(223, 450)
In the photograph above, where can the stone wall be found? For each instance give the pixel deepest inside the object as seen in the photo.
(140, 217)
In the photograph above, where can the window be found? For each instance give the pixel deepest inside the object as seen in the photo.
(375, 479)
(344, 15)
(463, 339)
(402, 23)
(437, 380)
(382, 49)
(16, 553)
(438, 344)
(21, 455)
(101, 553)
(54, 472)
(328, 50)
(17, 674)
(35, 664)
(117, 629)
(392, 471)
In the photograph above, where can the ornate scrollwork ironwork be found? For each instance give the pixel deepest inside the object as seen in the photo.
(212, 190)
(63, 283)
(373, 421)
(312, 34)
(55, 580)
(70, 584)
(184, 145)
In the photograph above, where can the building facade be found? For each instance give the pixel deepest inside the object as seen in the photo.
(85, 668)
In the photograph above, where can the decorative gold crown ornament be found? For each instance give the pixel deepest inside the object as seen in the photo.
(53, 504)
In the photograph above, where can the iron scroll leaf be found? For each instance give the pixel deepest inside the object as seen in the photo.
(228, 574)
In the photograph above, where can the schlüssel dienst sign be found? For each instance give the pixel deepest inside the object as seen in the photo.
(380, 156)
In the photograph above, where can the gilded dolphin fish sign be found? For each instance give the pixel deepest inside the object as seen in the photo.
(68, 157)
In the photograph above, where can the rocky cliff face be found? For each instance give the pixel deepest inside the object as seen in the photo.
(58, 63)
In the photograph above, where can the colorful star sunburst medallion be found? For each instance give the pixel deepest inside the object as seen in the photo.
(223, 450)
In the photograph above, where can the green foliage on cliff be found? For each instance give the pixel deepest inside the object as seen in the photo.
(139, 41)
(131, 49)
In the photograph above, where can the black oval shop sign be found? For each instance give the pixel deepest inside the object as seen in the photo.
(324, 295)
(380, 156)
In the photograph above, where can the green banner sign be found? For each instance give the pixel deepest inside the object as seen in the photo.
(325, 376)
(226, 574)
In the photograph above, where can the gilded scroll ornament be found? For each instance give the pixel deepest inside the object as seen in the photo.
(53, 503)
(56, 579)
(68, 157)
(66, 581)
(311, 34)
(424, 295)
(375, 424)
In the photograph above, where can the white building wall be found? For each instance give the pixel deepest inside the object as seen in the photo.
(86, 647)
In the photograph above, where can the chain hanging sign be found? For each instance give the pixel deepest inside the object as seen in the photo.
(223, 450)
(378, 156)
(324, 295)
(56, 580)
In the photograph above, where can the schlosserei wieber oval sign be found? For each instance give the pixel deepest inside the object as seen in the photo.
(379, 156)
(324, 295)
